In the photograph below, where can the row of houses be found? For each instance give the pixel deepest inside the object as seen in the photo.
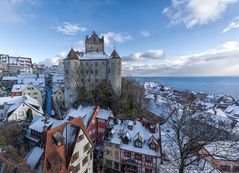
(137, 146)
(15, 65)
(17, 108)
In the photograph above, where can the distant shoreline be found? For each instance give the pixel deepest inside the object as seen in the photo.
(218, 85)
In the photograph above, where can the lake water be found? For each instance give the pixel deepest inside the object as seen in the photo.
(212, 85)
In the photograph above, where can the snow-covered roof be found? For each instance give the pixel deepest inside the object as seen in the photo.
(94, 55)
(232, 110)
(85, 112)
(34, 156)
(10, 100)
(121, 129)
(217, 111)
(159, 109)
(104, 114)
(19, 87)
(39, 122)
(31, 78)
(69, 134)
(12, 78)
(225, 150)
(57, 78)
(31, 101)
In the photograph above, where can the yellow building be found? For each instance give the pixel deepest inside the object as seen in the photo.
(112, 156)
(30, 89)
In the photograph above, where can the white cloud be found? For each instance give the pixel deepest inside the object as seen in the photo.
(145, 33)
(230, 45)
(70, 28)
(233, 25)
(79, 46)
(142, 56)
(196, 12)
(214, 62)
(54, 60)
(111, 37)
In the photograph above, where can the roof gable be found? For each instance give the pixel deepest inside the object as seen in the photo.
(72, 55)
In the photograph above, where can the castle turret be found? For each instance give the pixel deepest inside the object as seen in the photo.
(70, 77)
(115, 72)
(94, 43)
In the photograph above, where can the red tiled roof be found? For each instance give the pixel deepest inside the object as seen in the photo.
(114, 54)
(72, 55)
(58, 156)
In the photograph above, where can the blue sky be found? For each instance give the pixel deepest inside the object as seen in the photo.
(156, 37)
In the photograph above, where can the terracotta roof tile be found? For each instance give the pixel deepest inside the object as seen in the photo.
(114, 54)
(72, 55)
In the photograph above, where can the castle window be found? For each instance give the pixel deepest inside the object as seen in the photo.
(109, 70)
(96, 63)
(96, 71)
(87, 63)
(103, 63)
(88, 80)
(66, 71)
(81, 71)
(87, 71)
(91, 72)
(96, 80)
(82, 80)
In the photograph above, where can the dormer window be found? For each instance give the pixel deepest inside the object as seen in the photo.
(126, 138)
(153, 143)
(138, 144)
(152, 146)
(138, 140)
(58, 138)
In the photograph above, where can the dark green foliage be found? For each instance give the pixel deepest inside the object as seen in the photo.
(29, 114)
(129, 104)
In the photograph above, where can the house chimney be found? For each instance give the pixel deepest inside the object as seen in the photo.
(46, 119)
(44, 134)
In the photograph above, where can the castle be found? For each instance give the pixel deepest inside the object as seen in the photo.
(89, 68)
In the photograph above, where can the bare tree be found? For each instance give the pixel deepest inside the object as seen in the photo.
(184, 135)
